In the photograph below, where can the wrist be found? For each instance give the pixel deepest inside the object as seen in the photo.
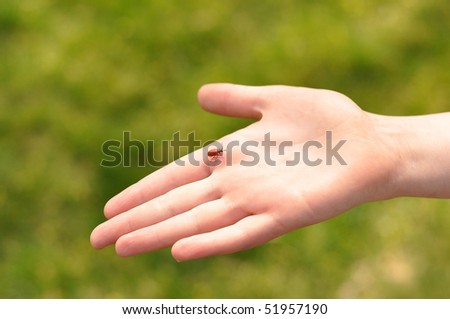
(420, 146)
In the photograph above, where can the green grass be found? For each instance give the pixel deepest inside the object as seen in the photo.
(76, 73)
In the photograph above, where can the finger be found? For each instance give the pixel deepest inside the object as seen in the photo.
(247, 233)
(232, 100)
(158, 183)
(203, 218)
(172, 203)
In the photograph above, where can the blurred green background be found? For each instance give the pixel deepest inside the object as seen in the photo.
(74, 74)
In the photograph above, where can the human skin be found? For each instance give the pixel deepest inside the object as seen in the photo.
(223, 207)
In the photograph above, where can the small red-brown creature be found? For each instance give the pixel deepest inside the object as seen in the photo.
(215, 153)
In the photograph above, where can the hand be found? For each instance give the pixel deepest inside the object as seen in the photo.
(222, 206)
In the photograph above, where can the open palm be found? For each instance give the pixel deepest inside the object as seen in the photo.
(311, 155)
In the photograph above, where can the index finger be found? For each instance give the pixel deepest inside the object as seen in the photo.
(160, 182)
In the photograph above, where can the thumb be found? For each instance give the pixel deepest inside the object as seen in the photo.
(232, 100)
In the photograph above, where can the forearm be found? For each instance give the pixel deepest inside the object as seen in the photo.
(422, 144)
